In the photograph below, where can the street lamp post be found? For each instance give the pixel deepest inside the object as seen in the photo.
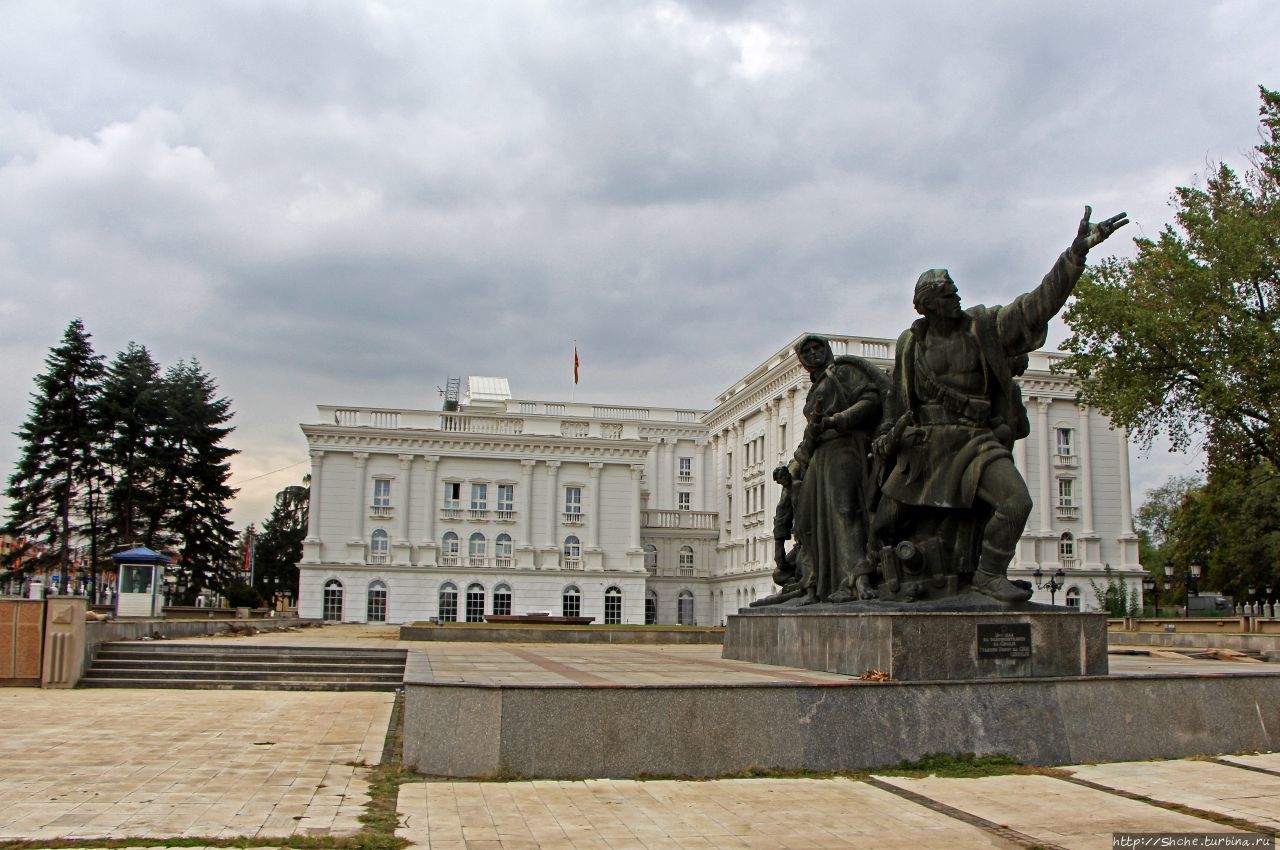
(1150, 585)
(1056, 582)
(1193, 576)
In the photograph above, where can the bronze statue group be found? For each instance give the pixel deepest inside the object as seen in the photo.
(903, 486)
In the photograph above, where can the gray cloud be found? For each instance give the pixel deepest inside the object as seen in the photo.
(350, 202)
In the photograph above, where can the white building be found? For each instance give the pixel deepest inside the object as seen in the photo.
(638, 514)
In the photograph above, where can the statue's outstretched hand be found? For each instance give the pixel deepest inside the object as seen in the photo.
(1091, 234)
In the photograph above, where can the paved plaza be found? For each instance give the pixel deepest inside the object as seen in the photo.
(160, 764)
(123, 763)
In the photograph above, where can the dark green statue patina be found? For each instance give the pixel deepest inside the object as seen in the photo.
(905, 489)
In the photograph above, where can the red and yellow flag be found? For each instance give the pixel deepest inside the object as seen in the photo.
(575, 364)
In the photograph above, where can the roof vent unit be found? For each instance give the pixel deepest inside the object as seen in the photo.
(487, 392)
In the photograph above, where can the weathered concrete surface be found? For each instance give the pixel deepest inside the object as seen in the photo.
(627, 731)
(477, 633)
(911, 646)
(1197, 640)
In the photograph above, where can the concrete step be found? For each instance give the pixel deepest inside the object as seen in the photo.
(250, 685)
(163, 665)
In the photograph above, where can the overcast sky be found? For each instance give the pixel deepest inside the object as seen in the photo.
(347, 203)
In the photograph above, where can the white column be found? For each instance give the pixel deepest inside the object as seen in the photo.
(1126, 508)
(429, 502)
(1046, 475)
(402, 510)
(637, 471)
(1085, 454)
(770, 423)
(593, 521)
(357, 514)
(526, 494)
(701, 482)
(717, 482)
(553, 505)
(739, 460)
(670, 473)
(313, 509)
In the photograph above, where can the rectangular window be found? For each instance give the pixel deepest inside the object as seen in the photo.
(612, 609)
(502, 601)
(684, 501)
(1066, 493)
(506, 497)
(650, 611)
(573, 500)
(1064, 441)
(453, 494)
(479, 497)
(382, 492)
(686, 466)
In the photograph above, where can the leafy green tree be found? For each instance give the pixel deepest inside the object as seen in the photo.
(1182, 339)
(192, 491)
(52, 490)
(279, 546)
(1154, 520)
(1231, 527)
(133, 410)
(1114, 596)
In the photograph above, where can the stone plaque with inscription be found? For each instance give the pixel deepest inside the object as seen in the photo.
(1004, 640)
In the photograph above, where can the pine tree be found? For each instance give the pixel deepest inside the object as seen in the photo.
(192, 489)
(279, 545)
(133, 412)
(52, 490)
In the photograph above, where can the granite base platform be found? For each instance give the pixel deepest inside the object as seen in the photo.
(472, 730)
(981, 641)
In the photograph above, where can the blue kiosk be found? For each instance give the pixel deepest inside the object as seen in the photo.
(140, 583)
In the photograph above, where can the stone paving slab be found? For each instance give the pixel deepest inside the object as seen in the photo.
(1218, 788)
(120, 763)
(633, 815)
(1053, 810)
(1265, 761)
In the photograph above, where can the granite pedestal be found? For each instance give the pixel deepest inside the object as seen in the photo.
(913, 643)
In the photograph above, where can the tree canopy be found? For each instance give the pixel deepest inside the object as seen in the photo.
(1183, 338)
(124, 455)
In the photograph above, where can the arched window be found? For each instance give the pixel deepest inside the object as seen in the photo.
(449, 549)
(332, 606)
(1073, 597)
(651, 557)
(379, 547)
(448, 610)
(376, 607)
(572, 553)
(502, 599)
(686, 560)
(651, 608)
(1066, 548)
(684, 608)
(571, 602)
(475, 603)
(475, 550)
(612, 606)
(502, 551)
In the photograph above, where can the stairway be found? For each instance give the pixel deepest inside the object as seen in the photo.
(137, 664)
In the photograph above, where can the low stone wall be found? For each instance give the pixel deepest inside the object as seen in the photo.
(21, 636)
(477, 731)
(480, 633)
(1264, 643)
(103, 631)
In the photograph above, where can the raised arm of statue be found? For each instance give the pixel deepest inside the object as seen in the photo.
(1023, 324)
